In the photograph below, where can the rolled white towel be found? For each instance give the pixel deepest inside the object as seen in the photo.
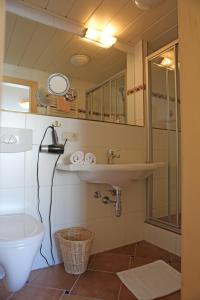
(90, 158)
(77, 158)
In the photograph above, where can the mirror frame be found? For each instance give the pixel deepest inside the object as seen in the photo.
(56, 93)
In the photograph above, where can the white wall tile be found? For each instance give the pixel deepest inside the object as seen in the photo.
(46, 165)
(39, 124)
(66, 178)
(11, 200)
(70, 203)
(99, 227)
(76, 202)
(134, 197)
(134, 227)
(73, 201)
(139, 104)
(165, 239)
(12, 119)
(109, 233)
(11, 170)
(31, 202)
(115, 238)
(139, 70)
(39, 262)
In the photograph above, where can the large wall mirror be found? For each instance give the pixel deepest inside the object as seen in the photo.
(103, 78)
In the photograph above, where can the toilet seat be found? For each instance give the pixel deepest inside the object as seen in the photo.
(19, 229)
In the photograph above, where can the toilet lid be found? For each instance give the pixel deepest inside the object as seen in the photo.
(19, 227)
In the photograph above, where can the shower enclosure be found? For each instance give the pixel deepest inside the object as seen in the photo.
(107, 101)
(163, 138)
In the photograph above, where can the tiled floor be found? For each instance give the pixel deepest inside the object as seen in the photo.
(98, 282)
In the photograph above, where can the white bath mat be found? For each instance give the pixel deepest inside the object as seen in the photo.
(151, 281)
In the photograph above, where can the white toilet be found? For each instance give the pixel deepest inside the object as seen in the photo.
(20, 239)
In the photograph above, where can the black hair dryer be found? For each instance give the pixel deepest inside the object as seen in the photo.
(54, 148)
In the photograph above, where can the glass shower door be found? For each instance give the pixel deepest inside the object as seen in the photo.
(164, 138)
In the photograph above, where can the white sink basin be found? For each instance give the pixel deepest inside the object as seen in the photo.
(116, 175)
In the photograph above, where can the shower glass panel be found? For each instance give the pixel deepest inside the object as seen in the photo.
(107, 102)
(163, 112)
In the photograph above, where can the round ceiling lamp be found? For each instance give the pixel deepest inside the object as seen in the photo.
(146, 4)
(79, 60)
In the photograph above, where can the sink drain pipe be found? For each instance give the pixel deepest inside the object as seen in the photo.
(116, 192)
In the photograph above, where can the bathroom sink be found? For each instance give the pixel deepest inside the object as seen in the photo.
(116, 175)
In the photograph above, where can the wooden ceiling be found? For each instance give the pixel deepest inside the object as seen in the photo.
(38, 46)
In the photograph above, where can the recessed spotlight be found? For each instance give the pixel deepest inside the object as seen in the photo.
(79, 60)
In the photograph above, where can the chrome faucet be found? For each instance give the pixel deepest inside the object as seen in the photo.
(112, 154)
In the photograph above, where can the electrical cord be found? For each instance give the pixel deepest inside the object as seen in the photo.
(51, 202)
(38, 191)
(51, 197)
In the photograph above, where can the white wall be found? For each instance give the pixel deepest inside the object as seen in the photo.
(73, 202)
(135, 80)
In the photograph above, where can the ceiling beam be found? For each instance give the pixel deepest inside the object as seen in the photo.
(43, 16)
(50, 19)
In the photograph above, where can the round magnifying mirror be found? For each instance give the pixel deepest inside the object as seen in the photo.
(58, 84)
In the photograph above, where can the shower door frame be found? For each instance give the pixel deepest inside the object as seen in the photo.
(149, 182)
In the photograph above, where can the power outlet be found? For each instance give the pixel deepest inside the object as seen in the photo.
(70, 136)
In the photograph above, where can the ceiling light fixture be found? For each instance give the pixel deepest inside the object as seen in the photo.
(79, 60)
(100, 38)
(24, 104)
(146, 4)
(167, 63)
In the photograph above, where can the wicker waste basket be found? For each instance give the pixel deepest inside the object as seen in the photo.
(75, 245)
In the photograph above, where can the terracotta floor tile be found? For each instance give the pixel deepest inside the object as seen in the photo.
(50, 283)
(175, 258)
(125, 294)
(110, 262)
(97, 285)
(126, 250)
(30, 292)
(34, 274)
(141, 261)
(4, 294)
(76, 297)
(54, 277)
(91, 259)
(145, 249)
(176, 265)
(175, 262)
